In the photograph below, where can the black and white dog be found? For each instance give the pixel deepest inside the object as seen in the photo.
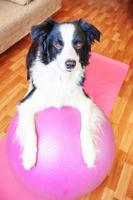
(56, 66)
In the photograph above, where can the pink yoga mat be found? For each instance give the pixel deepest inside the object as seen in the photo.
(104, 78)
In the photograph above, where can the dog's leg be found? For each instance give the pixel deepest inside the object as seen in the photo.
(26, 128)
(90, 119)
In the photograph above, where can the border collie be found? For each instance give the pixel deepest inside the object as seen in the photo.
(56, 65)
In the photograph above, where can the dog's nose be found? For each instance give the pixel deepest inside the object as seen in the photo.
(70, 64)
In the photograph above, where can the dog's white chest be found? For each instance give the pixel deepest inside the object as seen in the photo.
(55, 87)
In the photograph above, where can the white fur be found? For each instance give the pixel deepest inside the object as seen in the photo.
(68, 52)
(57, 88)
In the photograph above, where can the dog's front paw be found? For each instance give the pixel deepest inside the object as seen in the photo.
(29, 157)
(90, 159)
(89, 153)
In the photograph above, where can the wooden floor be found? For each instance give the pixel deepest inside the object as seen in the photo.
(115, 20)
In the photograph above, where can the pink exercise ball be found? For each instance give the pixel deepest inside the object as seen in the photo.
(60, 172)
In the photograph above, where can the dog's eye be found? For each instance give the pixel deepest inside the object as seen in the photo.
(78, 45)
(58, 45)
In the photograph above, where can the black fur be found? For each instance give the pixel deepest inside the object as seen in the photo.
(87, 95)
(46, 33)
(89, 34)
(28, 95)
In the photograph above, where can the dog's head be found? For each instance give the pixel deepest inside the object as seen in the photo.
(68, 44)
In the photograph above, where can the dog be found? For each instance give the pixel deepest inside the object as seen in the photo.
(56, 64)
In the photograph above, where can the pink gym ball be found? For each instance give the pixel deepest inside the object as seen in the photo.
(60, 172)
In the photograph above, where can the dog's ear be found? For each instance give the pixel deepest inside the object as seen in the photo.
(42, 29)
(92, 32)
